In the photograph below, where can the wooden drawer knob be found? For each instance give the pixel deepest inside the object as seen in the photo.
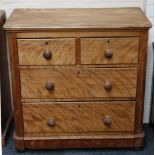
(47, 55)
(49, 85)
(107, 86)
(107, 120)
(108, 53)
(51, 122)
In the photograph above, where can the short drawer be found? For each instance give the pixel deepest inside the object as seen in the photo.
(58, 51)
(78, 83)
(78, 117)
(109, 50)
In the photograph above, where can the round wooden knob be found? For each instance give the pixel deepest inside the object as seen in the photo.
(47, 54)
(107, 120)
(51, 122)
(107, 86)
(108, 53)
(49, 85)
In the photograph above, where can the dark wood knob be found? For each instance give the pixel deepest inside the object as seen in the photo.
(107, 85)
(49, 85)
(47, 55)
(108, 53)
(51, 122)
(107, 120)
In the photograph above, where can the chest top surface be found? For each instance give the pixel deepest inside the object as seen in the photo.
(99, 18)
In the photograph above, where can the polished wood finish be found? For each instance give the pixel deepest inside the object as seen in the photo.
(140, 91)
(79, 34)
(17, 106)
(6, 112)
(80, 135)
(108, 18)
(89, 92)
(78, 83)
(96, 50)
(30, 51)
(78, 117)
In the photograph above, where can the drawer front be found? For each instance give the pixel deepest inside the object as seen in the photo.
(109, 50)
(60, 51)
(78, 117)
(78, 83)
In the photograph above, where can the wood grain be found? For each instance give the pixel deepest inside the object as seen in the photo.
(26, 100)
(100, 18)
(83, 66)
(124, 50)
(78, 117)
(141, 83)
(78, 34)
(16, 91)
(30, 51)
(78, 83)
(93, 140)
(109, 139)
(79, 135)
(78, 143)
(79, 87)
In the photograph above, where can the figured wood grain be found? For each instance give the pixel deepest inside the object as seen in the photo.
(79, 18)
(30, 51)
(83, 66)
(16, 92)
(74, 87)
(78, 117)
(141, 83)
(86, 33)
(79, 143)
(33, 100)
(124, 50)
(78, 83)
(79, 135)
(108, 139)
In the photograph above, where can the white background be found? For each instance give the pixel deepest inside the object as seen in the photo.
(146, 5)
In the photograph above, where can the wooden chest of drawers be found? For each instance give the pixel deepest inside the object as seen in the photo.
(78, 77)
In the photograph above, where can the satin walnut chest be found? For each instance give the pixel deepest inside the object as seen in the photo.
(78, 77)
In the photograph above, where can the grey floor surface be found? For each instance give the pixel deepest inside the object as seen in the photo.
(147, 150)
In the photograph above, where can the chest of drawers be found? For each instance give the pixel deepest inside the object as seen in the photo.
(78, 77)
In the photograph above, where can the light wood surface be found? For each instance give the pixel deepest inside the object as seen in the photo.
(107, 18)
(141, 88)
(78, 83)
(79, 135)
(78, 117)
(16, 92)
(124, 50)
(78, 100)
(30, 51)
(87, 33)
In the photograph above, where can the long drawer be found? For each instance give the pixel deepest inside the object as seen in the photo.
(78, 117)
(78, 83)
